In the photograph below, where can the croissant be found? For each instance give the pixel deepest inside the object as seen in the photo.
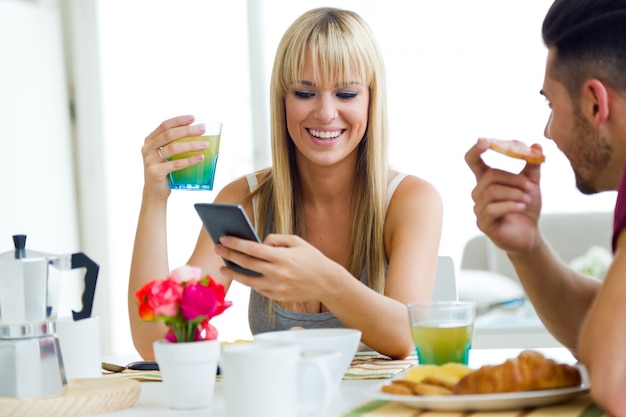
(528, 372)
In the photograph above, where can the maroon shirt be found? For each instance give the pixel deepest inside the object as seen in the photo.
(619, 216)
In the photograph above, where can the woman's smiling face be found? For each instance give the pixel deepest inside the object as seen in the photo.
(326, 123)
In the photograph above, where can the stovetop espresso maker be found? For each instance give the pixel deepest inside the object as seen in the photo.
(31, 364)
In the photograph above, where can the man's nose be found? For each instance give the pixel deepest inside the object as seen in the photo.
(546, 130)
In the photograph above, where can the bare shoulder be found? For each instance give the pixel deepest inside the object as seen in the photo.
(412, 191)
(238, 191)
(234, 192)
(412, 233)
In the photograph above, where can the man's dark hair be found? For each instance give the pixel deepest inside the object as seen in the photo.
(589, 37)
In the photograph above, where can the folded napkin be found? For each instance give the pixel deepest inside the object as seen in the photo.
(581, 406)
(366, 365)
(141, 376)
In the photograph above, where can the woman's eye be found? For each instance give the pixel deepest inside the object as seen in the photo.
(347, 94)
(303, 94)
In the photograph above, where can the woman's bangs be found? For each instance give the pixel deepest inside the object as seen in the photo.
(334, 63)
(337, 64)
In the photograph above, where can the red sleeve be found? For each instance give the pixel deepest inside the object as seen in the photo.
(619, 219)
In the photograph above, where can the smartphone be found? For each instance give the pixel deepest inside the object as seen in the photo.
(227, 219)
(150, 366)
(143, 366)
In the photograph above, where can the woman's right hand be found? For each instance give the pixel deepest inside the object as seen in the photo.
(159, 146)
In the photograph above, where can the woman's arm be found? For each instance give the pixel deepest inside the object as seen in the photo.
(412, 236)
(150, 256)
(295, 271)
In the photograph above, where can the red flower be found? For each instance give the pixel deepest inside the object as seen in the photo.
(146, 311)
(185, 302)
(220, 293)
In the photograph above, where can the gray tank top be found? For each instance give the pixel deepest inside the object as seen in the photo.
(281, 319)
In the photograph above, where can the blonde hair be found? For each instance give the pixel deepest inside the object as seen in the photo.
(342, 46)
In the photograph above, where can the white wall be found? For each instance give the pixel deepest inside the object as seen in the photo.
(37, 172)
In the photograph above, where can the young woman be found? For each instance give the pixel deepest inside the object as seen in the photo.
(346, 240)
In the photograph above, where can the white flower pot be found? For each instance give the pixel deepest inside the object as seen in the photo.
(188, 371)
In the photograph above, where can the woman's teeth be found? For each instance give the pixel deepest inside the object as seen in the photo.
(325, 134)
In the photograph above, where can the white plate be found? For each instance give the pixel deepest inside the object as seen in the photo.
(485, 402)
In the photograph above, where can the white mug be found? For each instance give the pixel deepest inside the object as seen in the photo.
(79, 342)
(267, 379)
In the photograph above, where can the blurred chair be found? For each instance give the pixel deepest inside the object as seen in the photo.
(488, 277)
(445, 280)
(570, 235)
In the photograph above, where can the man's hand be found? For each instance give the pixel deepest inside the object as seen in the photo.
(506, 205)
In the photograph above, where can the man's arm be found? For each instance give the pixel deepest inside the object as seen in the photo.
(602, 342)
(561, 296)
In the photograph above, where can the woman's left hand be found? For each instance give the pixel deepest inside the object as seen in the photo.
(291, 267)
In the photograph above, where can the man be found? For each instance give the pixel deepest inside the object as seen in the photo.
(585, 84)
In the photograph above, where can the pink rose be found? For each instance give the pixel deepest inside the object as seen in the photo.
(185, 302)
(198, 300)
(186, 273)
(164, 297)
(203, 299)
(206, 332)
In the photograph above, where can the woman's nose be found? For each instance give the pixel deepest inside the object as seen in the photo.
(326, 110)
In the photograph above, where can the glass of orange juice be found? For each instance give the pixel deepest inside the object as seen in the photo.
(199, 176)
(442, 331)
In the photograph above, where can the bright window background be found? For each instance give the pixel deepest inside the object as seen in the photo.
(457, 70)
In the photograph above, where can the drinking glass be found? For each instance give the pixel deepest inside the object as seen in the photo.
(442, 331)
(199, 176)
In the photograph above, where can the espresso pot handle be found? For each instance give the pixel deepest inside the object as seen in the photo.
(80, 260)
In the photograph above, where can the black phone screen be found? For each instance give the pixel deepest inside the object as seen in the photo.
(227, 219)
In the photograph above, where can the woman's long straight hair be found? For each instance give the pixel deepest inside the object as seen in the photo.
(343, 47)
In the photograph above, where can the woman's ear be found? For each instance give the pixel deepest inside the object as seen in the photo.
(594, 102)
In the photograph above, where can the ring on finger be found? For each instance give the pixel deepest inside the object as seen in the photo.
(160, 154)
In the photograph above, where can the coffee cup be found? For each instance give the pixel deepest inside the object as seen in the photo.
(276, 379)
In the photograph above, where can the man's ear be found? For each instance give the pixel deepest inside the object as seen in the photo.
(594, 102)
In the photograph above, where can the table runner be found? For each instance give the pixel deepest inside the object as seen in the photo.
(141, 376)
(371, 365)
(365, 365)
(581, 406)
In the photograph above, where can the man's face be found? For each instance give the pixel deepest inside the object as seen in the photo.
(588, 152)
